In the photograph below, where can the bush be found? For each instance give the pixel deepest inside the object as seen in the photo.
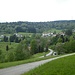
(59, 48)
(2, 57)
(69, 46)
(0, 52)
(10, 56)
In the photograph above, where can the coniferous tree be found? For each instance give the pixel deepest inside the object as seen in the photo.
(7, 48)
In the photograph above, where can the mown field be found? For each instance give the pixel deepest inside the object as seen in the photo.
(21, 33)
(62, 66)
(54, 30)
(25, 34)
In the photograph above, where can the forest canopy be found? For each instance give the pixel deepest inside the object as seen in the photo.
(35, 27)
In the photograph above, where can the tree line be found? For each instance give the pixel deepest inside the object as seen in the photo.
(12, 38)
(64, 43)
(35, 27)
(25, 49)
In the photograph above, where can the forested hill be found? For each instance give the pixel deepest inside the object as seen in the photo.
(33, 27)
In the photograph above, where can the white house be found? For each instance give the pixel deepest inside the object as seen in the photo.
(48, 34)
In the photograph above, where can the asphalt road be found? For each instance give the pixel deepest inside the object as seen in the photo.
(50, 53)
(18, 70)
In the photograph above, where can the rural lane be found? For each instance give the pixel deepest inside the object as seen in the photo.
(50, 53)
(18, 70)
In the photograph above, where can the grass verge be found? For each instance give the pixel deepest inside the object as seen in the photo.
(32, 59)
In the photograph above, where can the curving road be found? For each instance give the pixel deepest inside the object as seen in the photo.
(18, 70)
(50, 53)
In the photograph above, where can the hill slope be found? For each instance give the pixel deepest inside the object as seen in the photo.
(62, 66)
(33, 27)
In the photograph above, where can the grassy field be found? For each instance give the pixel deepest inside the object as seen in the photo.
(52, 30)
(25, 34)
(21, 33)
(62, 66)
(11, 46)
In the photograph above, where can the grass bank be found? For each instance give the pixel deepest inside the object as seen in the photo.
(62, 66)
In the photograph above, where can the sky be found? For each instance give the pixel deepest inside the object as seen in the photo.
(36, 10)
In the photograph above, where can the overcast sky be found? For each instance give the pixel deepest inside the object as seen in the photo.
(36, 10)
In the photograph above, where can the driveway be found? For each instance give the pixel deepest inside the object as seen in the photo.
(18, 70)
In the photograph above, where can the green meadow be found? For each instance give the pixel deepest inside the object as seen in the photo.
(62, 66)
(25, 34)
(53, 30)
(11, 45)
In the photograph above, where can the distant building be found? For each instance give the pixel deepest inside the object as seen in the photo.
(73, 30)
(2, 36)
(48, 34)
(45, 34)
(62, 33)
(18, 35)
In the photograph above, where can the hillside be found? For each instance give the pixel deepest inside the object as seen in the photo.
(35, 27)
(62, 66)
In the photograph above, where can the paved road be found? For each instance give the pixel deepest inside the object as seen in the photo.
(18, 70)
(50, 53)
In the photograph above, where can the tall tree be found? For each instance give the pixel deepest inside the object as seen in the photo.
(33, 45)
(68, 32)
(22, 51)
(7, 47)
